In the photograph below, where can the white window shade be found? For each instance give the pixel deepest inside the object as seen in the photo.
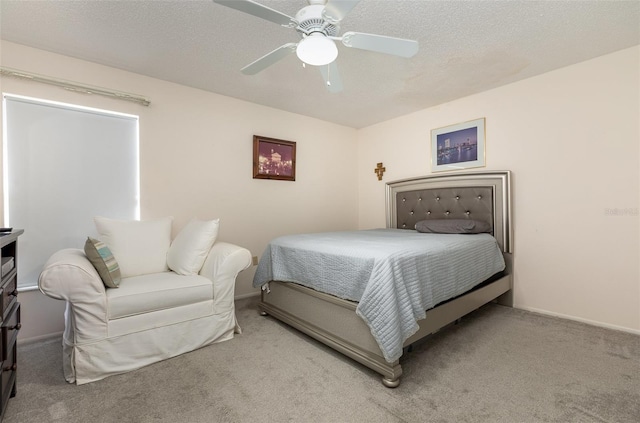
(63, 165)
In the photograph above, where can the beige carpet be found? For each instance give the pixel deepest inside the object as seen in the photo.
(498, 365)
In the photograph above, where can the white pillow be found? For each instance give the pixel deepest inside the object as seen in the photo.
(191, 246)
(139, 246)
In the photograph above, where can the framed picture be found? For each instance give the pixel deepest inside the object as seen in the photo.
(458, 146)
(274, 159)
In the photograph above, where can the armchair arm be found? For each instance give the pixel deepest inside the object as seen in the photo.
(68, 275)
(222, 265)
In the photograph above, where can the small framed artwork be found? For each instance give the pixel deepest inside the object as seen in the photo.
(458, 146)
(274, 159)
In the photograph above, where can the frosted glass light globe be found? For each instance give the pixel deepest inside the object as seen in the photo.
(317, 50)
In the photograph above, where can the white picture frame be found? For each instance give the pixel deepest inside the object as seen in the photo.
(459, 146)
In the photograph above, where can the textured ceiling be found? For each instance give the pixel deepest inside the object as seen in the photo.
(465, 47)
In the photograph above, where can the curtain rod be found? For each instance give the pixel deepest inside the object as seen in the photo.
(72, 86)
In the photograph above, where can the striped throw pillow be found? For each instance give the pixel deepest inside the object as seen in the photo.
(100, 256)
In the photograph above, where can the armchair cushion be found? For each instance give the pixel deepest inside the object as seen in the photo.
(191, 246)
(159, 291)
(139, 246)
(102, 259)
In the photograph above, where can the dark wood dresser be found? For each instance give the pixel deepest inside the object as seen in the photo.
(10, 314)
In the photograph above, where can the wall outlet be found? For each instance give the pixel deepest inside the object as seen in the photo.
(255, 260)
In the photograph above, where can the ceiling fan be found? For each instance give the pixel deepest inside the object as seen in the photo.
(318, 25)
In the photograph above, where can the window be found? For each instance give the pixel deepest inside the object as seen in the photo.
(63, 165)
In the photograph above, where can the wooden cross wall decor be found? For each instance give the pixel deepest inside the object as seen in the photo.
(379, 170)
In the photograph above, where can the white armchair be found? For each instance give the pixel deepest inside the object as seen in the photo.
(149, 317)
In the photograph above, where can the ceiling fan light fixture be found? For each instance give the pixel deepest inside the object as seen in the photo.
(317, 50)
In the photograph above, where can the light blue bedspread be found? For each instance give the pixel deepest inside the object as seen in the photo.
(393, 274)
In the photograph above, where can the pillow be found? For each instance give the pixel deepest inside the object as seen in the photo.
(190, 248)
(453, 226)
(139, 246)
(100, 256)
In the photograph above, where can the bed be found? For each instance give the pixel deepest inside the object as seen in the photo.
(343, 320)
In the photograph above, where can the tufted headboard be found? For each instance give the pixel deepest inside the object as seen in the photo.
(481, 196)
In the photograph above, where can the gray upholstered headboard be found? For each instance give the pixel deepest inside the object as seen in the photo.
(476, 195)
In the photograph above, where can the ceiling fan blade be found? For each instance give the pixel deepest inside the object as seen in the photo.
(331, 77)
(269, 59)
(257, 9)
(336, 10)
(381, 44)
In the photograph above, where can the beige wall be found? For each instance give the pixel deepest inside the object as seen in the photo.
(571, 138)
(196, 161)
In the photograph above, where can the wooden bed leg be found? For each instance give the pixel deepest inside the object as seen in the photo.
(391, 383)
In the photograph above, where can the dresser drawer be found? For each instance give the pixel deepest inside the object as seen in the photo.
(9, 292)
(9, 372)
(10, 328)
(9, 317)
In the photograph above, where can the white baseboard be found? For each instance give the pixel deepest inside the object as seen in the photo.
(581, 320)
(54, 335)
(39, 338)
(249, 295)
